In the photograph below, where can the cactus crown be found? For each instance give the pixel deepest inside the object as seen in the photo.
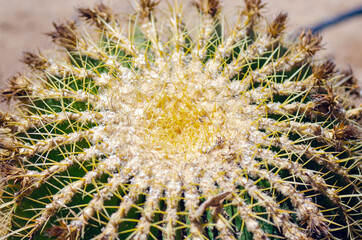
(153, 130)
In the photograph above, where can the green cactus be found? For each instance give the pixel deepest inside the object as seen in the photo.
(159, 129)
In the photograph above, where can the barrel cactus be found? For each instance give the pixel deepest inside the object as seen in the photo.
(156, 127)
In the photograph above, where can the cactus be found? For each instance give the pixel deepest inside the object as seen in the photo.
(159, 129)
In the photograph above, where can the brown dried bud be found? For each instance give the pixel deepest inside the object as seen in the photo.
(350, 82)
(19, 87)
(355, 114)
(99, 15)
(7, 144)
(12, 172)
(324, 71)
(309, 43)
(8, 151)
(253, 9)
(345, 132)
(208, 7)
(34, 61)
(146, 7)
(3, 119)
(276, 28)
(64, 35)
(7, 126)
(63, 232)
(327, 103)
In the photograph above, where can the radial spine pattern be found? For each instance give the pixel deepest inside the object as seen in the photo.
(160, 129)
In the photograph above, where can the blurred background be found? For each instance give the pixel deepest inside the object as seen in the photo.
(23, 24)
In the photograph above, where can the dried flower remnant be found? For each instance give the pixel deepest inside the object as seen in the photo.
(328, 103)
(350, 82)
(309, 43)
(34, 61)
(345, 132)
(324, 71)
(100, 15)
(208, 7)
(19, 87)
(277, 27)
(253, 8)
(153, 130)
(146, 8)
(64, 35)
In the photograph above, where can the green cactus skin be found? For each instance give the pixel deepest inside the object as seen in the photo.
(155, 129)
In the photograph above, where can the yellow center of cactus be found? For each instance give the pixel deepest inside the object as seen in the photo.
(176, 124)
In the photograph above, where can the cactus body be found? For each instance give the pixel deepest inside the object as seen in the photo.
(153, 130)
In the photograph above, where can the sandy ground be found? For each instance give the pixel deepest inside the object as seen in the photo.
(24, 22)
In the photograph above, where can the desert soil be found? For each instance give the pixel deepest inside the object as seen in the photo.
(24, 22)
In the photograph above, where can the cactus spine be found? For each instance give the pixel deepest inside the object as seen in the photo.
(159, 130)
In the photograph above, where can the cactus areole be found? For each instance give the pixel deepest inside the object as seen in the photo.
(162, 128)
